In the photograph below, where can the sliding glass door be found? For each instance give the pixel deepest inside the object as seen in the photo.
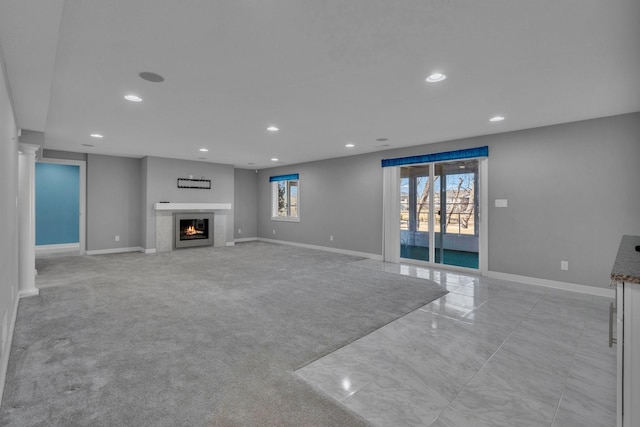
(439, 213)
(415, 211)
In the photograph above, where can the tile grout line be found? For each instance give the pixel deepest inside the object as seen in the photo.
(490, 357)
(566, 379)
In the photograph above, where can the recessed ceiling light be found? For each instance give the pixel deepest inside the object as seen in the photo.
(436, 77)
(274, 159)
(204, 149)
(88, 145)
(133, 98)
(251, 163)
(382, 139)
(350, 145)
(151, 77)
(273, 129)
(202, 158)
(496, 119)
(97, 135)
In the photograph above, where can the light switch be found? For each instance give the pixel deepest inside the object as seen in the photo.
(501, 203)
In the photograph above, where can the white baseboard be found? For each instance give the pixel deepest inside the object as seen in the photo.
(118, 250)
(32, 293)
(324, 248)
(150, 251)
(572, 287)
(230, 243)
(54, 249)
(246, 239)
(7, 349)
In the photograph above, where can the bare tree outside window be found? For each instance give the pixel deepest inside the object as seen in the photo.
(285, 199)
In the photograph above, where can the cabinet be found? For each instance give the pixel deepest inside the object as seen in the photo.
(628, 354)
(626, 276)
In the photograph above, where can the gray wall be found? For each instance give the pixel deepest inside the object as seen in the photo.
(113, 202)
(572, 192)
(161, 180)
(32, 137)
(8, 217)
(340, 197)
(245, 196)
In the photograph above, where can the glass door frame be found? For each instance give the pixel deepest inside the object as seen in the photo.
(391, 219)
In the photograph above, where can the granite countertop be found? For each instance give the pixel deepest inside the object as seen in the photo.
(626, 268)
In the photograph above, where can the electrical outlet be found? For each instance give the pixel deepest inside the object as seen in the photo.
(331, 238)
(239, 230)
(564, 265)
(117, 238)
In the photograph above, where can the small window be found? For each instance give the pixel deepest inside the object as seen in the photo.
(285, 197)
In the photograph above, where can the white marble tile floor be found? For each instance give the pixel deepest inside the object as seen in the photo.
(490, 353)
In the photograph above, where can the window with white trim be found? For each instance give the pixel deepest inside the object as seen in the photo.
(285, 197)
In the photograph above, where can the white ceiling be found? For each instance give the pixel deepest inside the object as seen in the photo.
(326, 72)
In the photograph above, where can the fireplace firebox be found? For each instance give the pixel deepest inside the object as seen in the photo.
(193, 229)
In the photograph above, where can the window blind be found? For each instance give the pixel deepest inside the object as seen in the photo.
(467, 153)
(289, 177)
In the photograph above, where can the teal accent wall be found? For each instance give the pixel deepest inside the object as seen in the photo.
(57, 203)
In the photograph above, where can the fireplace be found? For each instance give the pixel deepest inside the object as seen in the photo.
(193, 229)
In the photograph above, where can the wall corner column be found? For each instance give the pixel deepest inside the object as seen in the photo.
(26, 223)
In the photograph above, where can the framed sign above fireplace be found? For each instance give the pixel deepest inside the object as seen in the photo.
(200, 184)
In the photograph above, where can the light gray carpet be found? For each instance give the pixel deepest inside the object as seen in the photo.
(195, 337)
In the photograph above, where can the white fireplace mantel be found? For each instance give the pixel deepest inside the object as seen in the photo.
(192, 206)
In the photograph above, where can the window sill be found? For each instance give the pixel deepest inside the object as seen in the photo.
(285, 219)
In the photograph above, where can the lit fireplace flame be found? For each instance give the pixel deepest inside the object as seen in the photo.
(191, 231)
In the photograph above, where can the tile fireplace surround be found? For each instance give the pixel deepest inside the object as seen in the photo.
(164, 221)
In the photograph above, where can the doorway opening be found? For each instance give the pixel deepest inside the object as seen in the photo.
(60, 206)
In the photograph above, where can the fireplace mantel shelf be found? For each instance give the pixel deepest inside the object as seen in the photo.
(192, 206)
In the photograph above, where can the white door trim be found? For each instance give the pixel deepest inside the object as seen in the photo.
(391, 214)
(483, 215)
